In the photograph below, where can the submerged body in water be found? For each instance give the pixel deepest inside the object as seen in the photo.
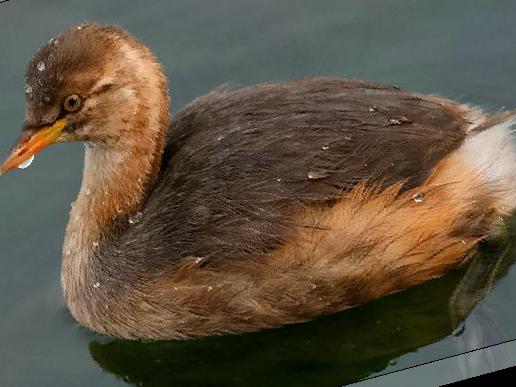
(256, 207)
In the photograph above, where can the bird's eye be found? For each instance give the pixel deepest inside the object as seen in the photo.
(72, 103)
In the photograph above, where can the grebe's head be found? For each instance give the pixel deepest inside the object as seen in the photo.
(91, 83)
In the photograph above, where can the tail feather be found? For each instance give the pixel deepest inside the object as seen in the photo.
(491, 152)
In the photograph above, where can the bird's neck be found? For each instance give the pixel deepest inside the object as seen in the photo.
(116, 183)
(117, 180)
(120, 173)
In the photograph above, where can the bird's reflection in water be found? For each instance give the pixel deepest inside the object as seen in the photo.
(479, 327)
(332, 350)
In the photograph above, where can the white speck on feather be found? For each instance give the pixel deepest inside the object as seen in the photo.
(41, 66)
(418, 198)
(96, 285)
(135, 218)
(198, 260)
(315, 175)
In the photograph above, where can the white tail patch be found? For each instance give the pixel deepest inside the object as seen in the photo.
(492, 153)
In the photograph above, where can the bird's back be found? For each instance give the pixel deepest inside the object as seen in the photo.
(239, 165)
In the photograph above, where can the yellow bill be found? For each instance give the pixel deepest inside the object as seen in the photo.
(29, 146)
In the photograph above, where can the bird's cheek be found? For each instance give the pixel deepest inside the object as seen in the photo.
(73, 132)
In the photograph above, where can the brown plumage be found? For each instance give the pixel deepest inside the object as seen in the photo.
(255, 207)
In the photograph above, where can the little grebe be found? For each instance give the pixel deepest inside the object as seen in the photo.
(256, 207)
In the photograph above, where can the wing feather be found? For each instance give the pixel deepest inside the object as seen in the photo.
(239, 164)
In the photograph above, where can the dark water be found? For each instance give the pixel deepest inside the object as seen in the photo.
(461, 49)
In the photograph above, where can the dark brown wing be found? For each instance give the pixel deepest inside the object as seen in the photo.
(238, 164)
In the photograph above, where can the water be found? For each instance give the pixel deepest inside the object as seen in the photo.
(460, 49)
